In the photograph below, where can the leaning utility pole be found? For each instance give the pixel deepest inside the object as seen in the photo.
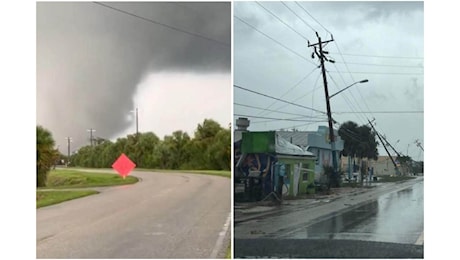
(388, 143)
(321, 57)
(417, 142)
(384, 146)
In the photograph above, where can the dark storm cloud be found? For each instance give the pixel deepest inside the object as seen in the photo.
(90, 58)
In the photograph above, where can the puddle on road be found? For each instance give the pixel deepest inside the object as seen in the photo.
(395, 217)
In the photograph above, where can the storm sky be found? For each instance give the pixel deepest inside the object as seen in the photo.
(96, 63)
(379, 41)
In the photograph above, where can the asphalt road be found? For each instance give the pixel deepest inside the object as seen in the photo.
(383, 222)
(395, 217)
(165, 215)
(323, 248)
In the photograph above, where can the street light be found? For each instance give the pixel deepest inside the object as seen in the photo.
(362, 81)
(331, 129)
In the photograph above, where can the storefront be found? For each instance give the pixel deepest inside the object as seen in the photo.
(271, 166)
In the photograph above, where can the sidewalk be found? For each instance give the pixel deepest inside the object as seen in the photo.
(245, 211)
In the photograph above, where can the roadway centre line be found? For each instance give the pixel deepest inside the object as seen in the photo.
(220, 239)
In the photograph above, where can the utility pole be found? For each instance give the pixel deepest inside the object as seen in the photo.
(322, 58)
(417, 142)
(136, 111)
(69, 140)
(137, 122)
(388, 143)
(384, 146)
(91, 135)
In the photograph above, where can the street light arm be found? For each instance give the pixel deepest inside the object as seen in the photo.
(340, 91)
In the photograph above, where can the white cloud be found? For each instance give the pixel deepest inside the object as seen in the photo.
(171, 101)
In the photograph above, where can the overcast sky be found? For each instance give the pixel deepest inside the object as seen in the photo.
(379, 41)
(97, 63)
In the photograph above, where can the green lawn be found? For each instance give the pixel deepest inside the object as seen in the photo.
(210, 172)
(58, 179)
(388, 178)
(46, 198)
(75, 178)
(69, 179)
(229, 252)
(206, 172)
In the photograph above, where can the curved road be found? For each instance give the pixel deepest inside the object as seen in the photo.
(164, 215)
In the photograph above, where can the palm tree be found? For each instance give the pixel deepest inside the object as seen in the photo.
(46, 155)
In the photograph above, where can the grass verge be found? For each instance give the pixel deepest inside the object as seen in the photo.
(70, 179)
(226, 174)
(389, 178)
(229, 251)
(63, 179)
(46, 198)
(206, 172)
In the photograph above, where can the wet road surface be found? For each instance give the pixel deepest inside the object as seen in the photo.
(383, 223)
(396, 217)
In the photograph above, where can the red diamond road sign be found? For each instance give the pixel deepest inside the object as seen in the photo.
(123, 165)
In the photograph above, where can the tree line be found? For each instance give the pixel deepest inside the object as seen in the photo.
(208, 149)
(360, 142)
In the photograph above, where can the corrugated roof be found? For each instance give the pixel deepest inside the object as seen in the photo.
(298, 137)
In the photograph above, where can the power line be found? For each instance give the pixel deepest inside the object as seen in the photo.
(268, 96)
(164, 25)
(381, 112)
(274, 111)
(299, 17)
(345, 96)
(296, 119)
(313, 17)
(380, 65)
(378, 56)
(291, 127)
(279, 43)
(386, 73)
(292, 88)
(279, 19)
(306, 94)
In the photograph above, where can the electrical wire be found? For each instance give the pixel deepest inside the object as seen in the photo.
(295, 119)
(313, 18)
(279, 43)
(164, 25)
(275, 111)
(306, 94)
(382, 112)
(290, 89)
(382, 73)
(380, 65)
(279, 19)
(299, 17)
(268, 96)
(378, 56)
